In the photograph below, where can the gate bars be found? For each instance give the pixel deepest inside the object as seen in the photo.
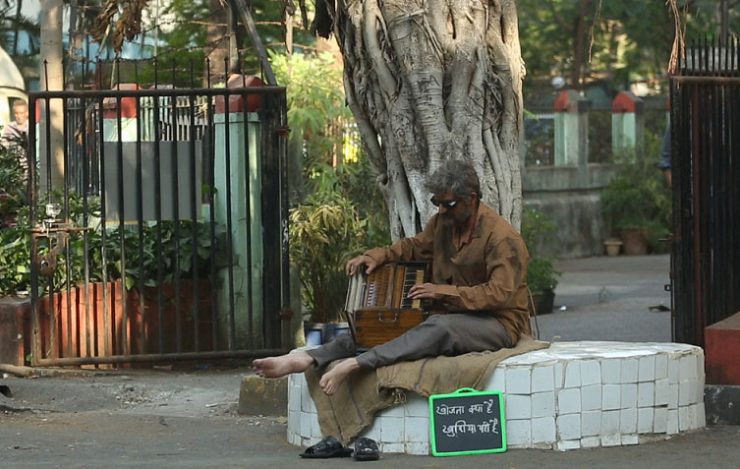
(171, 237)
(705, 115)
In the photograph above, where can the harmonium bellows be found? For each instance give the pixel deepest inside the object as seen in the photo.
(377, 305)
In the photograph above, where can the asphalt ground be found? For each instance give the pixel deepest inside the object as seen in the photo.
(187, 417)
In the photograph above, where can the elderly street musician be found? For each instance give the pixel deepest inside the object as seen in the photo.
(478, 286)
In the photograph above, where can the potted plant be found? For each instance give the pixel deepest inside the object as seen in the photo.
(542, 277)
(636, 201)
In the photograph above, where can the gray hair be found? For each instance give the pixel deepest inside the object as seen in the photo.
(456, 176)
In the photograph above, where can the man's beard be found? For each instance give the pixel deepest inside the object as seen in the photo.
(456, 219)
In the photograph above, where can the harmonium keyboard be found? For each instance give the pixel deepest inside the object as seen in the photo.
(377, 306)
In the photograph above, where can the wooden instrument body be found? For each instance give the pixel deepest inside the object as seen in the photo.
(377, 306)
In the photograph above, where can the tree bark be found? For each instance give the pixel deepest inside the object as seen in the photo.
(429, 81)
(51, 150)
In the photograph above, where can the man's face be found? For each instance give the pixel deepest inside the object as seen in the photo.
(453, 210)
(21, 114)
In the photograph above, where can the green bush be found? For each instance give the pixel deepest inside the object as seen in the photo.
(325, 231)
(164, 248)
(541, 273)
(638, 196)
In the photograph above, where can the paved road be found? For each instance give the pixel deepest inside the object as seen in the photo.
(611, 298)
(187, 418)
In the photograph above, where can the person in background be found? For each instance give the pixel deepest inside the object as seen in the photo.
(664, 163)
(15, 134)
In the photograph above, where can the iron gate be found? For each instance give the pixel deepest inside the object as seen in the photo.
(705, 116)
(163, 233)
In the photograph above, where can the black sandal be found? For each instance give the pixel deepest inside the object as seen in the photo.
(366, 450)
(329, 447)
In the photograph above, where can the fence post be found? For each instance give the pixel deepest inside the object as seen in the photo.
(627, 121)
(571, 129)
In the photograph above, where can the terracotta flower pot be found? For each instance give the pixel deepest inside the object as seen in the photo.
(635, 242)
(613, 246)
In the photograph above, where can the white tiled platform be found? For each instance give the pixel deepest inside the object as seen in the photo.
(569, 396)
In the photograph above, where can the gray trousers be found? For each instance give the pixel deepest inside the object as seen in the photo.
(441, 334)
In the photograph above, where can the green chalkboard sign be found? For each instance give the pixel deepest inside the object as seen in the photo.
(467, 422)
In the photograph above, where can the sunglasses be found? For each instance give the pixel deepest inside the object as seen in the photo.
(448, 204)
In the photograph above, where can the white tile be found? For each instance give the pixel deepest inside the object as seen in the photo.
(306, 419)
(389, 447)
(685, 393)
(393, 411)
(684, 422)
(294, 398)
(294, 422)
(629, 396)
(611, 397)
(315, 428)
(307, 404)
(543, 430)
(572, 374)
(611, 440)
(660, 420)
(416, 406)
(610, 422)
(519, 433)
(629, 440)
(673, 362)
(591, 423)
(568, 445)
(518, 380)
(628, 421)
(687, 368)
(497, 381)
(646, 369)
(673, 396)
(591, 397)
(629, 370)
(591, 442)
(569, 401)
(518, 406)
(701, 416)
(559, 372)
(590, 372)
(645, 394)
(417, 448)
(661, 366)
(692, 417)
(672, 422)
(661, 391)
(543, 404)
(645, 420)
(543, 378)
(416, 430)
(569, 426)
(611, 370)
(392, 429)
(699, 392)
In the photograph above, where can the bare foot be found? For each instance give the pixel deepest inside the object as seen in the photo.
(331, 380)
(277, 367)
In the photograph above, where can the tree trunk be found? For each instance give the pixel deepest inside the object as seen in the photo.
(219, 35)
(51, 151)
(429, 81)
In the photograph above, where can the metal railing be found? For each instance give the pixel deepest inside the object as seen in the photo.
(705, 141)
(170, 240)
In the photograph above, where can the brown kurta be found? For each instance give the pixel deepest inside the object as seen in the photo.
(487, 274)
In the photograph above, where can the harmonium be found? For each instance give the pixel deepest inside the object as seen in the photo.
(377, 306)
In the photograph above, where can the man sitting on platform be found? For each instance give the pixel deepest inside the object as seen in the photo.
(479, 271)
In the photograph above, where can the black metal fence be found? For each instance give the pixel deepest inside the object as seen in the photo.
(159, 224)
(705, 116)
